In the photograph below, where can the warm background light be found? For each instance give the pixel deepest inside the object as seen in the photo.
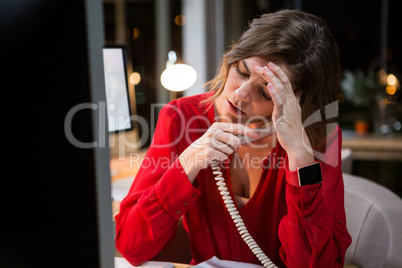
(135, 78)
(178, 77)
(180, 20)
(390, 90)
(392, 84)
(391, 80)
(136, 33)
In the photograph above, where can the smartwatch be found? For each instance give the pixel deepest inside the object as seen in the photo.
(309, 174)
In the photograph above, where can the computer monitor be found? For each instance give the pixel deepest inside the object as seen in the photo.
(57, 207)
(116, 84)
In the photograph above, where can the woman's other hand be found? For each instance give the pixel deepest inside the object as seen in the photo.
(286, 115)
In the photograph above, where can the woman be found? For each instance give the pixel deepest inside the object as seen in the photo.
(285, 70)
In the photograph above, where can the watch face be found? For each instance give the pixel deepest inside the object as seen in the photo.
(309, 174)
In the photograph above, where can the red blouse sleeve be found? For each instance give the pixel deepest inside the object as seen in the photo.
(314, 233)
(149, 214)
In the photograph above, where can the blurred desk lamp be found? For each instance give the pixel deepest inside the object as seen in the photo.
(177, 77)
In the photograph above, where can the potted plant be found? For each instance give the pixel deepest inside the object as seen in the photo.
(361, 89)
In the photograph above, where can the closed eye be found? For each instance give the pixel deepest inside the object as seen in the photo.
(263, 94)
(246, 74)
(238, 71)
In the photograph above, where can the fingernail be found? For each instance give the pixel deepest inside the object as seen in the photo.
(271, 64)
(237, 145)
(254, 134)
(266, 69)
(258, 68)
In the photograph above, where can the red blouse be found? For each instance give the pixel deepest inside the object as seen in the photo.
(294, 226)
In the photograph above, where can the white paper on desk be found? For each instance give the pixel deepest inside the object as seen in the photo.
(120, 262)
(214, 262)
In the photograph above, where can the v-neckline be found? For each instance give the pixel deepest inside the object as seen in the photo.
(252, 198)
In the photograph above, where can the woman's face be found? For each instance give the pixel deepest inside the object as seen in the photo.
(245, 98)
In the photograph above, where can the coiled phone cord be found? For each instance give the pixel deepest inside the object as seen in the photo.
(234, 213)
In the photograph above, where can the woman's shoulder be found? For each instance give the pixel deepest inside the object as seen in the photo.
(193, 100)
(195, 105)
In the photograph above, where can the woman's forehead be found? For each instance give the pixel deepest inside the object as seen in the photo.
(252, 61)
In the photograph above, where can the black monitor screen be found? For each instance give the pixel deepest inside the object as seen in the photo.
(117, 96)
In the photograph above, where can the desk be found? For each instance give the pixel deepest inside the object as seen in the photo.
(120, 262)
(126, 165)
(373, 146)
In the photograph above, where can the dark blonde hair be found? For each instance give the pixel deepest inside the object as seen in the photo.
(304, 43)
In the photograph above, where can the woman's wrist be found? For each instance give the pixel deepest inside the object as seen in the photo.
(300, 158)
(189, 166)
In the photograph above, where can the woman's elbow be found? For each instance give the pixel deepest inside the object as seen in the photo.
(131, 253)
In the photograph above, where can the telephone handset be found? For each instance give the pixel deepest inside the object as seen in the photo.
(264, 131)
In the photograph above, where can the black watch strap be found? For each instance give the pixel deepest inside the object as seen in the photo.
(309, 174)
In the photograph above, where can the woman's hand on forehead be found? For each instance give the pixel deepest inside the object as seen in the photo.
(286, 115)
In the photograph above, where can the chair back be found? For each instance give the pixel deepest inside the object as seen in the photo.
(374, 220)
